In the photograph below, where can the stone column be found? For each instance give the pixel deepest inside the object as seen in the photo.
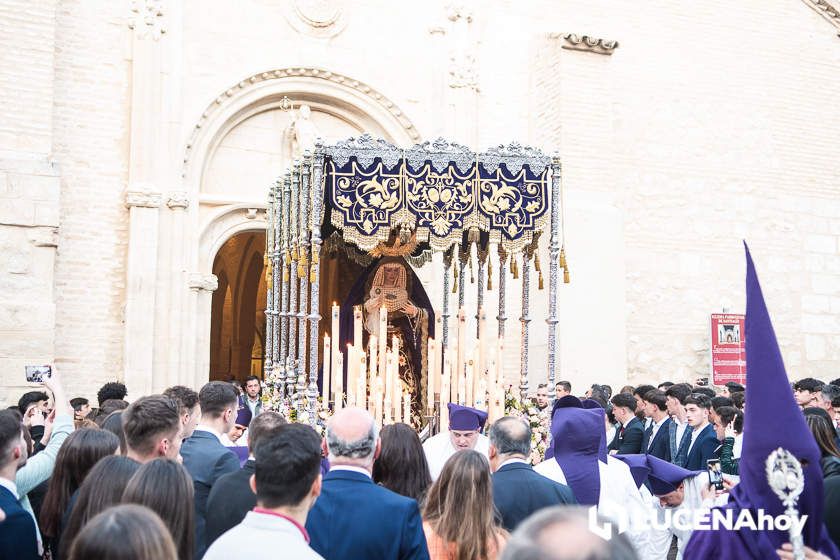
(176, 360)
(146, 174)
(201, 288)
(141, 274)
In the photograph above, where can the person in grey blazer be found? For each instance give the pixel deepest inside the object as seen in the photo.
(205, 458)
(287, 481)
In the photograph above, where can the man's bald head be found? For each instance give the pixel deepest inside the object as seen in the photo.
(511, 436)
(352, 438)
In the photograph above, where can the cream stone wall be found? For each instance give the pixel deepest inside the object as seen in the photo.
(128, 156)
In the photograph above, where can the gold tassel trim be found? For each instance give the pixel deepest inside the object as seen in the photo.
(566, 279)
(541, 280)
(454, 278)
(285, 273)
(563, 257)
(489, 274)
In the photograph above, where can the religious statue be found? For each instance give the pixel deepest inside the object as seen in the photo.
(391, 283)
(300, 135)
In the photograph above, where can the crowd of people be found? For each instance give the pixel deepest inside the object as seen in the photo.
(167, 466)
(213, 474)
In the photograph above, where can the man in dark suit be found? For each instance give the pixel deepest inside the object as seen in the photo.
(17, 532)
(231, 497)
(656, 439)
(628, 437)
(704, 441)
(679, 432)
(518, 491)
(205, 458)
(353, 517)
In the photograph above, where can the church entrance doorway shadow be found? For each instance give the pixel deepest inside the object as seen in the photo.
(237, 327)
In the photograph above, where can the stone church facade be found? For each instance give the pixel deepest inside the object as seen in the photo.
(138, 138)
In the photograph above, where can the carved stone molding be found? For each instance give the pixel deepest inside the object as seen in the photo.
(202, 282)
(178, 200)
(143, 199)
(828, 11)
(308, 72)
(316, 18)
(146, 18)
(586, 43)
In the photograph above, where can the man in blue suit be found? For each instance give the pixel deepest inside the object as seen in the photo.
(353, 517)
(205, 458)
(703, 438)
(518, 491)
(656, 437)
(17, 532)
(628, 436)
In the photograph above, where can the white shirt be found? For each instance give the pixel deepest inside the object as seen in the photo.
(736, 447)
(439, 449)
(681, 426)
(209, 430)
(262, 536)
(695, 432)
(656, 426)
(512, 461)
(351, 468)
(619, 498)
(252, 405)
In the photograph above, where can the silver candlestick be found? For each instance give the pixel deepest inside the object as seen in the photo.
(784, 475)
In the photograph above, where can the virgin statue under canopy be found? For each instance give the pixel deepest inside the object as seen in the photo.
(390, 282)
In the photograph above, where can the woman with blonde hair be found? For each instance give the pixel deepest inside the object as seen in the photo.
(459, 517)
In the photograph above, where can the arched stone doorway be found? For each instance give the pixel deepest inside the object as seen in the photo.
(238, 147)
(237, 318)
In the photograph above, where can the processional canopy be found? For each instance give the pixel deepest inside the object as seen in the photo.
(439, 190)
(380, 201)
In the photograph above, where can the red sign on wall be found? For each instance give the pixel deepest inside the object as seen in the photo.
(729, 356)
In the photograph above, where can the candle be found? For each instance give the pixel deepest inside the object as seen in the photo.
(481, 361)
(438, 365)
(407, 408)
(469, 395)
(492, 380)
(357, 326)
(382, 333)
(397, 402)
(462, 348)
(389, 381)
(373, 361)
(377, 401)
(478, 374)
(431, 375)
(500, 361)
(481, 395)
(336, 351)
(452, 373)
(444, 395)
(389, 389)
(352, 374)
(325, 372)
(361, 383)
(339, 382)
